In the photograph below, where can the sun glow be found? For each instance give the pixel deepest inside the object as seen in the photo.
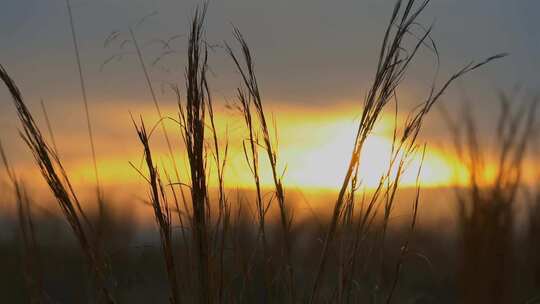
(323, 163)
(314, 152)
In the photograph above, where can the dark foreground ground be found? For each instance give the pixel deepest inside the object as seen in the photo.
(431, 271)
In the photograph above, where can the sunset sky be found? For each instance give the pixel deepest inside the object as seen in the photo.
(314, 60)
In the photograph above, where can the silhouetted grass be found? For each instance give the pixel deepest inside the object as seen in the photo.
(162, 214)
(57, 179)
(193, 122)
(486, 205)
(29, 252)
(230, 254)
(250, 81)
(393, 63)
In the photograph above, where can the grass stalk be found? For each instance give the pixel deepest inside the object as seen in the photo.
(57, 179)
(192, 117)
(85, 102)
(486, 207)
(247, 71)
(392, 65)
(162, 214)
(251, 155)
(30, 251)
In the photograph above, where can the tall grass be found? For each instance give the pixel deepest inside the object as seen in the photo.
(223, 220)
(162, 214)
(247, 70)
(192, 116)
(82, 83)
(30, 251)
(486, 205)
(221, 262)
(251, 153)
(393, 63)
(59, 183)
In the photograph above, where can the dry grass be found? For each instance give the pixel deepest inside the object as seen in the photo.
(393, 63)
(220, 259)
(30, 250)
(486, 207)
(162, 213)
(193, 118)
(58, 181)
(251, 153)
(247, 70)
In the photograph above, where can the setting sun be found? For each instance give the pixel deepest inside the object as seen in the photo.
(314, 152)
